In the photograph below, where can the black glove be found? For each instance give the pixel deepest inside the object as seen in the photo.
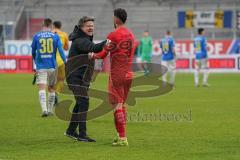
(34, 78)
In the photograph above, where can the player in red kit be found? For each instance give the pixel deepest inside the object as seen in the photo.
(120, 48)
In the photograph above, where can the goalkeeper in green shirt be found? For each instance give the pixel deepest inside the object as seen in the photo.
(145, 51)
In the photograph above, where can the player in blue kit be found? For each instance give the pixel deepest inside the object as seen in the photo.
(167, 45)
(44, 48)
(201, 58)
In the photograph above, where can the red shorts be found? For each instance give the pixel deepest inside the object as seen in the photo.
(118, 90)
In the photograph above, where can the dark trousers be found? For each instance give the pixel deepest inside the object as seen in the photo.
(79, 114)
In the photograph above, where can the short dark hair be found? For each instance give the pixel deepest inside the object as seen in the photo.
(57, 24)
(200, 30)
(85, 19)
(47, 22)
(168, 32)
(121, 14)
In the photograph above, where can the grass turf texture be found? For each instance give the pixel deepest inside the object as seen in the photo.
(213, 133)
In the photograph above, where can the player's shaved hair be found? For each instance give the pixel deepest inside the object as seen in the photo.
(85, 19)
(121, 14)
(200, 30)
(57, 24)
(47, 22)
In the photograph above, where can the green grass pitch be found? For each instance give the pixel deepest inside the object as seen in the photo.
(212, 133)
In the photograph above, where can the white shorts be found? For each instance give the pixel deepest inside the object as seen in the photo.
(47, 76)
(201, 63)
(171, 64)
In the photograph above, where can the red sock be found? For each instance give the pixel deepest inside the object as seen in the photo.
(120, 123)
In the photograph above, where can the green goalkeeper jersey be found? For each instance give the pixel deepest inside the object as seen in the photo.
(145, 47)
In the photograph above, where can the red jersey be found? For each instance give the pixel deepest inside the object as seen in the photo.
(121, 51)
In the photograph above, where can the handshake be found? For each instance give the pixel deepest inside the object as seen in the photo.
(90, 55)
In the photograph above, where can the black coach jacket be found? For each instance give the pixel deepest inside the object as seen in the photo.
(79, 68)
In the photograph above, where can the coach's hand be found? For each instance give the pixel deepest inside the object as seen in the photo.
(108, 42)
(90, 55)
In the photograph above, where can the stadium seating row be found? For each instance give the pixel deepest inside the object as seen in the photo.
(153, 15)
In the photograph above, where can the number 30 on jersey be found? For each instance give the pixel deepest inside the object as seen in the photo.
(47, 45)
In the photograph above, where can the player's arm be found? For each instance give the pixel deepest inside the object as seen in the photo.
(34, 48)
(60, 50)
(173, 48)
(151, 45)
(174, 52)
(107, 47)
(103, 53)
(140, 48)
(66, 44)
(194, 46)
(205, 43)
(100, 55)
(161, 46)
(87, 46)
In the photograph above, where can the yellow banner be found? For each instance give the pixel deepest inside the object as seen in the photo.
(189, 19)
(215, 19)
(219, 18)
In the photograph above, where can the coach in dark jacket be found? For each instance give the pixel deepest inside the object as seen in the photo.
(79, 70)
